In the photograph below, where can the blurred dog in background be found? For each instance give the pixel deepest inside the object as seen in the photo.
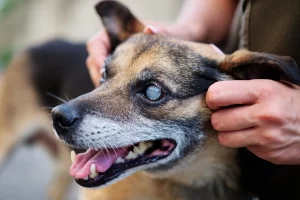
(35, 82)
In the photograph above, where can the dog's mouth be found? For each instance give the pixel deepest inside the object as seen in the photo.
(96, 167)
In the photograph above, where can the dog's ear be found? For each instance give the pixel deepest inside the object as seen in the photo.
(118, 21)
(250, 65)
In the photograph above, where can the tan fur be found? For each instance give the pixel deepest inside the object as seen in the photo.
(235, 59)
(136, 187)
(206, 50)
(21, 116)
(210, 165)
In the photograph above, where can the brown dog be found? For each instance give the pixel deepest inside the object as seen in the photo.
(150, 115)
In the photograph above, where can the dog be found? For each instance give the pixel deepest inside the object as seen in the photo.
(29, 90)
(147, 127)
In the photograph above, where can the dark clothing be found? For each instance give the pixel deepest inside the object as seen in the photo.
(274, 27)
(271, 26)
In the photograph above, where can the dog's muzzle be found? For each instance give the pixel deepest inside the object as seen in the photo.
(64, 118)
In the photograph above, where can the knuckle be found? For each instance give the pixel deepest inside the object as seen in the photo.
(267, 89)
(273, 114)
(271, 139)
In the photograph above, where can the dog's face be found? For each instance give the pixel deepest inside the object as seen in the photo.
(150, 113)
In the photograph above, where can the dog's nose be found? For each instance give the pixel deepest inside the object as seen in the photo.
(64, 116)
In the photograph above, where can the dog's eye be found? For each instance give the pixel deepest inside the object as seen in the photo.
(153, 93)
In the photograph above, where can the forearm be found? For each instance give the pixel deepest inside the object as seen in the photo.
(205, 20)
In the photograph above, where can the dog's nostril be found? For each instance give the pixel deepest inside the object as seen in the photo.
(64, 116)
(66, 121)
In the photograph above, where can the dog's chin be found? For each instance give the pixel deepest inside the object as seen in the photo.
(121, 162)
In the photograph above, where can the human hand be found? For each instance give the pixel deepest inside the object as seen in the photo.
(98, 48)
(267, 122)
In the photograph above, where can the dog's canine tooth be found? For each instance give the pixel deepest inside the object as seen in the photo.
(73, 156)
(93, 171)
(140, 149)
(120, 160)
(96, 149)
(86, 178)
(131, 155)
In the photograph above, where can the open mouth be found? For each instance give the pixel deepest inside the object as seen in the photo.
(96, 167)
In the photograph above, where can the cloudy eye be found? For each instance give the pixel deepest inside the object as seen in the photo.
(153, 93)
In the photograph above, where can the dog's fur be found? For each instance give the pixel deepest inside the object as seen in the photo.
(54, 68)
(117, 115)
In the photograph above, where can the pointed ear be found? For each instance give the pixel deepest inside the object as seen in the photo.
(118, 21)
(250, 65)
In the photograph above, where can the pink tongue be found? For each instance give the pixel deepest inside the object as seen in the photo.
(103, 160)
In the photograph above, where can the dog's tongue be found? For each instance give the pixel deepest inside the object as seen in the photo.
(102, 159)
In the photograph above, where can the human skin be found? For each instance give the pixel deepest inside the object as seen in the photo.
(266, 120)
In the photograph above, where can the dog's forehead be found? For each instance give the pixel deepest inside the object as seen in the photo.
(141, 51)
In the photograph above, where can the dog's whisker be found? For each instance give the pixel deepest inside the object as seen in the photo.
(124, 149)
(113, 148)
(47, 108)
(56, 97)
(100, 149)
(108, 153)
(68, 99)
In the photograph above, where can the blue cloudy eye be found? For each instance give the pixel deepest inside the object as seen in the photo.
(153, 93)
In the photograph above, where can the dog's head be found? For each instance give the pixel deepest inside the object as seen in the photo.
(150, 113)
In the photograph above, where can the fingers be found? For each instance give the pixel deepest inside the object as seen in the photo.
(233, 119)
(98, 48)
(237, 139)
(95, 72)
(226, 93)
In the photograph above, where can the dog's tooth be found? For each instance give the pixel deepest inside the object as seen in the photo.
(131, 155)
(149, 144)
(136, 150)
(93, 173)
(73, 156)
(143, 147)
(120, 160)
(86, 178)
(96, 149)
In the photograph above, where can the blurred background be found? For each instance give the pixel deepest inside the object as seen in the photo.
(24, 23)
(28, 22)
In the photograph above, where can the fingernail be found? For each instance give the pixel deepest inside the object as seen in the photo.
(151, 30)
(217, 49)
